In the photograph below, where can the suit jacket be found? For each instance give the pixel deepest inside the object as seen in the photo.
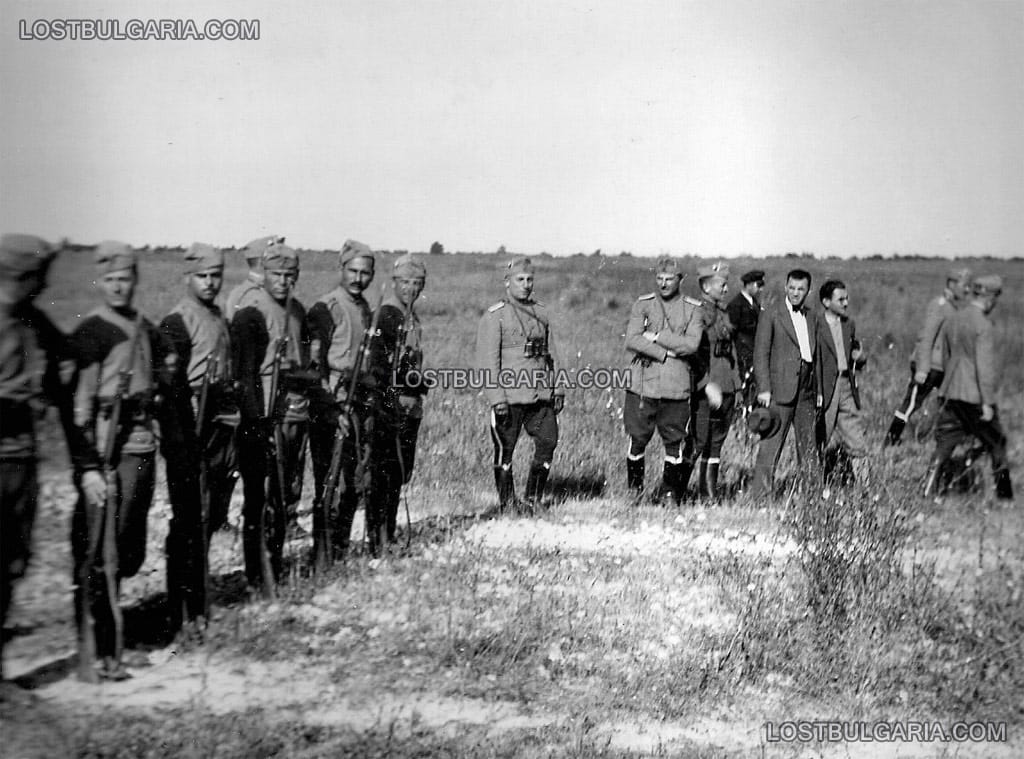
(744, 318)
(928, 353)
(827, 361)
(777, 352)
(972, 372)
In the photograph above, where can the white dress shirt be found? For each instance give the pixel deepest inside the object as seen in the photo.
(802, 337)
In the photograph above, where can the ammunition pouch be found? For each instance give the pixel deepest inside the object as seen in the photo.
(300, 381)
(722, 349)
(137, 409)
(535, 347)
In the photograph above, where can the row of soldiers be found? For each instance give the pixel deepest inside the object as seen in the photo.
(217, 393)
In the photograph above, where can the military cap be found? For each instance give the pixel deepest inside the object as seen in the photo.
(25, 254)
(754, 275)
(354, 249)
(764, 421)
(713, 270)
(519, 263)
(201, 256)
(409, 266)
(668, 265)
(112, 255)
(253, 250)
(990, 283)
(959, 275)
(280, 256)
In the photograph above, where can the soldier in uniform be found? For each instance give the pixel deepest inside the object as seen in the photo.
(663, 335)
(926, 367)
(339, 324)
(839, 358)
(969, 388)
(34, 359)
(204, 410)
(402, 340)
(784, 355)
(112, 343)
(253, 282)
(713, 407)
(744, 311)
(516, 353)
(271, 347)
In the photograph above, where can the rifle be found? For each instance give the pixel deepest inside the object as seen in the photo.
(212, 369)
(102, 532)
(334, 484)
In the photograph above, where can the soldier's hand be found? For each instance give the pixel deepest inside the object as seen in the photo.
(94, 486)
(920, 377)
(764, 398)
(988, 412)
(344, 425)
(559, 403)
(714, 394)
(652, 336)
(501, 410)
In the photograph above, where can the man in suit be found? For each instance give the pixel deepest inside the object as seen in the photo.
(839, 357)
(926, 365)
(743, 311)
(784, 367)
(969, 388)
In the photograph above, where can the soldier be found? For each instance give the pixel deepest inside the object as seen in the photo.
(253, 282)
(516, 352)
(744, 311)
(714, 406)
(969, 388)
(784, 354)
(204, 410)
(269, 340)
(664, 332)
(339, 324)
(34, 359)
(122, 363)
(839, 358)
(926, 368)
(402, 338)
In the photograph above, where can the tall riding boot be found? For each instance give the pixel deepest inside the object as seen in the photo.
(635, 476)
(713, 479)
(535, 482)
(1004, 488)
(683, 479)
(506, 488)
(892, 437)
(670, 483)
(702, 481)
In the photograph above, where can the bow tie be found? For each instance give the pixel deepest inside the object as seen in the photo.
(796, 309)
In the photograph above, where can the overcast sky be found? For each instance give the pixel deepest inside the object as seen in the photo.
(708, 127)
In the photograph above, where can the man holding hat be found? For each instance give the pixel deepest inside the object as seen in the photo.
(34, 361)
(271, 347)
(115, 346)
(969, 387)
(402, 341)
(663, 336)
(784, 356)
(253, 252)
(339, 328)
(205, 416)
(744, 311)
(926, 365)
(716, 397)
(515, 349)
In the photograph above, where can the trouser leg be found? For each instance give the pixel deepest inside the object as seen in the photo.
(768, 452)
(639, 422)
(541, 423)
(18, 495)
(504, 434)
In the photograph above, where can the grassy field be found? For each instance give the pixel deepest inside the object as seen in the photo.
(595, 628)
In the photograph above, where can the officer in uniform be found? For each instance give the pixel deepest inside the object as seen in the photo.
(516, 353)
(204, 409)
(744, 311)
(663, 336)
(402, 340)
(35, 360)
(969, 388)
(113, 342)
(253, 282)
(271, 347)
(339, 324)
(713, 407)
(926, 366)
